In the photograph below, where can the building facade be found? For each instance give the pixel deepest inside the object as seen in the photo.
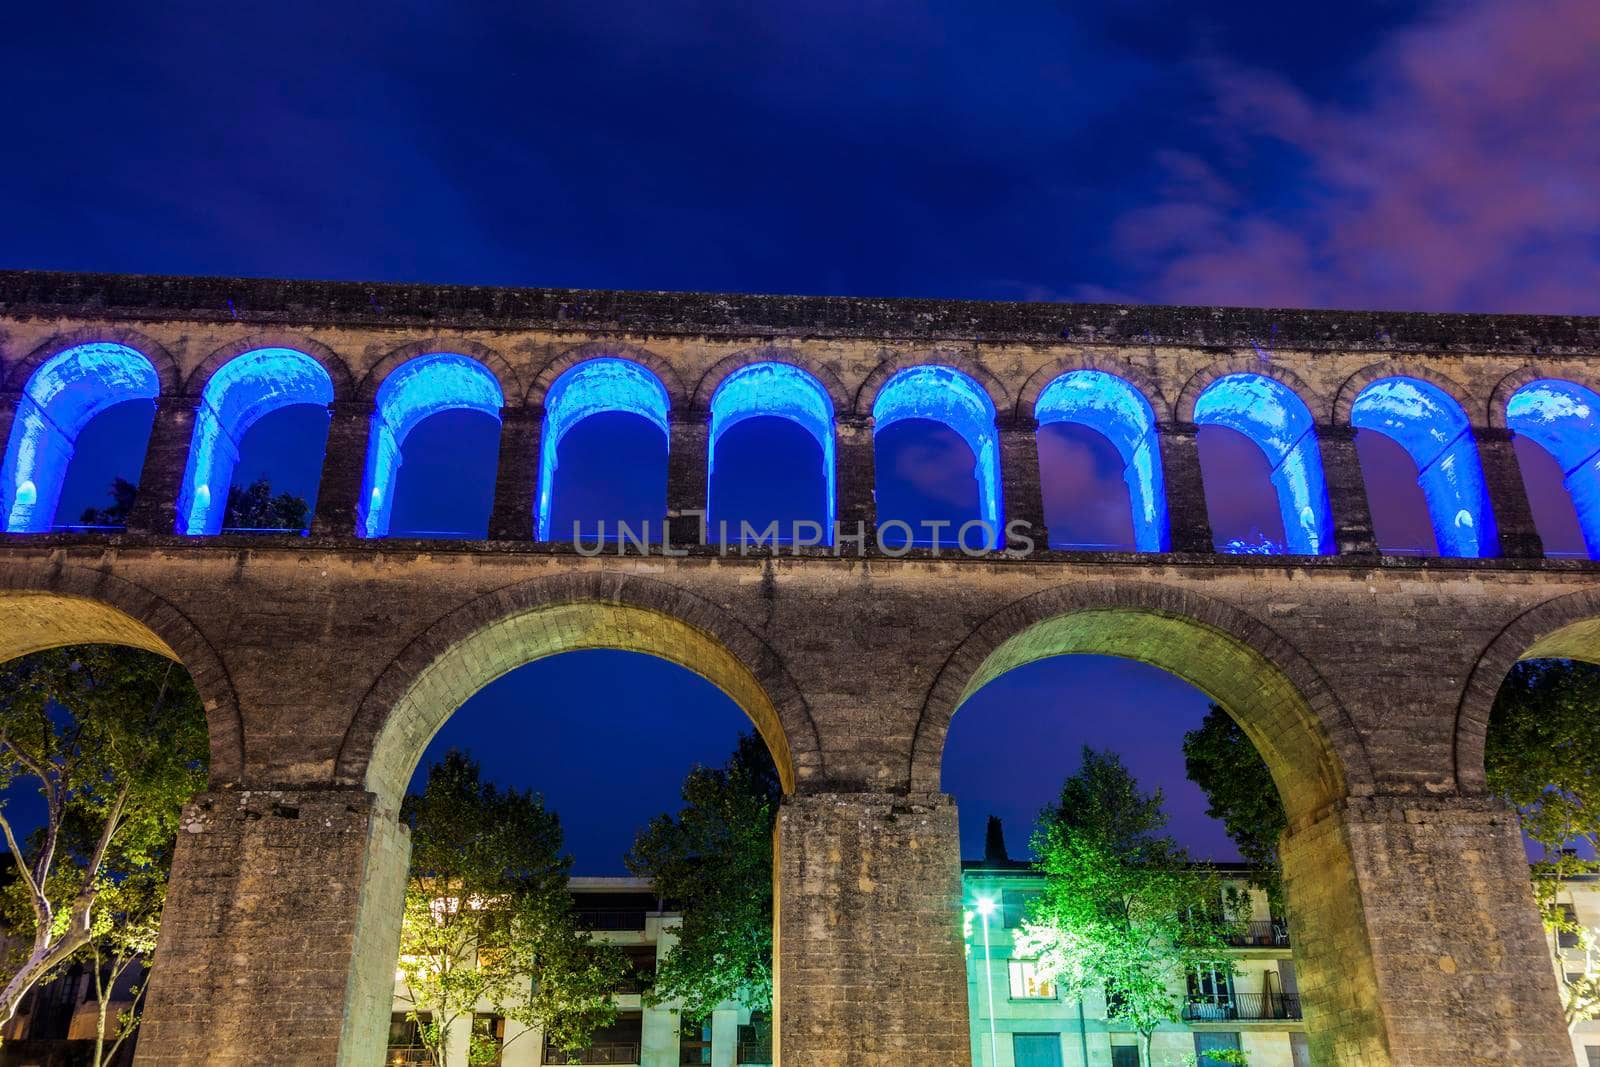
(623, 912)
(1019, 1018)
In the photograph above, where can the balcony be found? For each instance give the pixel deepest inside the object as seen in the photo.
(407, 1057)
(610, 919)
(616, 1052)
(1242, 1007)
(754, 1053)
(1268, 933)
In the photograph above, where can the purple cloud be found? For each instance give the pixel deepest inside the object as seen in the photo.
(1466, 178)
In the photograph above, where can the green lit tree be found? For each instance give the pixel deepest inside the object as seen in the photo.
(114, 739)
(714, 858)
(256, 508)
(1224, 763)
(489, 918)
(1123, 907)
(1542, 756)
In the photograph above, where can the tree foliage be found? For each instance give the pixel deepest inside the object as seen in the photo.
(714, 860)
(489, 917)
(1241, 794)
(256, 508)
(1123, 906)
(123, 496)
(1542, 756)
(114, 739)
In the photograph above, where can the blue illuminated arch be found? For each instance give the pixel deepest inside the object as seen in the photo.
(944, 394)
(61, 397)
(1270, 414)
(1429, 424)
(784, 391)
(1113, 408)
(241, 392)
(590, 388)
(1563, 418)
(418, 388)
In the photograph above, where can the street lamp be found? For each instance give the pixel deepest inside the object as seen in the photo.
(986, 908)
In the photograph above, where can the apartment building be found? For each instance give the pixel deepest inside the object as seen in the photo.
(626, 913)
(1020, 1019)
(1573, 962)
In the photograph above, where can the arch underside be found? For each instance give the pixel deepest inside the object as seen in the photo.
(495, 650)
(35, 620)
(1266, 704)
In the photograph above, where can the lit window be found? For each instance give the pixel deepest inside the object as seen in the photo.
(1029, 983)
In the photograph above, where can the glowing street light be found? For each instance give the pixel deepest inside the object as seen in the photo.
(986, 906)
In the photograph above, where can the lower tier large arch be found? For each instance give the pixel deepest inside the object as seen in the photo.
(499, 632)
(50, 606)
(1288, 711)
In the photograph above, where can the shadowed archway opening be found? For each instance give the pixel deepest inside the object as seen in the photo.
(1563, 420)
(440, 391)
(1432, 429)
(83, 420)
(937, 460)
(603, 451)
(263, 414)
(1279, 424)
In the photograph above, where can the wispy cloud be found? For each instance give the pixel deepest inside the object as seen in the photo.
(1467, 178)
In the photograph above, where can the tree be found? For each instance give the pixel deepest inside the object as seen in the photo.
(255, 508)
(115, 741)
(994, 841)
(1542, 756)
(714, 859)
(1123, 905)
(489, 917)
(123, 496)
(1225, 764)
(124, 940)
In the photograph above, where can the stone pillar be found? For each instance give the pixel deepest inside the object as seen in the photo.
(855, 476)
(1347, 491)
(870, 964)
(516, 479)
(724, 1037)
(280, 933)
(1508, 494)
(1416, 939)
(1021, 488)
(1186, 492)
(8, 411)
(165, 459)
(344, 468)
(688, 471)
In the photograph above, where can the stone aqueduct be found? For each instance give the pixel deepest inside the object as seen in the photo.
(326, 662)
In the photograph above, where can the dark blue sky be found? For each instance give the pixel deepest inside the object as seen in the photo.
(1365, 154)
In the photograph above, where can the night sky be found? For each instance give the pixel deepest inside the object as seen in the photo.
(1369, 154)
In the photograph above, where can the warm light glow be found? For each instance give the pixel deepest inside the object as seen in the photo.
(240, 394)
(944, 394)
(1271, 415)
(590, 388)
(1563, 418)
(1115, 409)
(60, 399)
(1428, 423)
(417, 389)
